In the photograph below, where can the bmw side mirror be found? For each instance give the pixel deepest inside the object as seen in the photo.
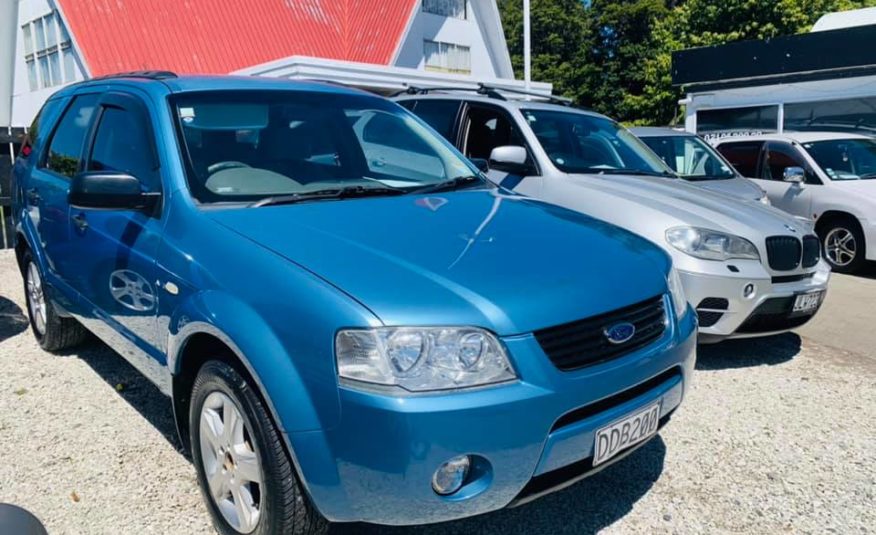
(110, 190)
(795, 175)
(510, 159)
(482, 165)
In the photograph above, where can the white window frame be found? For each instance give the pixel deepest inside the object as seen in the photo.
(46, 63)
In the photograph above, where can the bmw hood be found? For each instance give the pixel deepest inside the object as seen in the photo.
(735, 187)
(470, 257)
(651, 205)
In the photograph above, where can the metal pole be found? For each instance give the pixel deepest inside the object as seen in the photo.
(527, 54)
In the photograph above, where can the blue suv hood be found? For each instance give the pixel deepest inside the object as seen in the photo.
(473, 257)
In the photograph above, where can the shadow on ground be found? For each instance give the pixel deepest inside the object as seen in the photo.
(132, 386)
(586, 507)
(868, 271)
(12, 319)
(748, 352)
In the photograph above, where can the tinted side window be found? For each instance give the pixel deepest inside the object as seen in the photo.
(122, 144)
(780, 156)
(407, 104)
(487, 129)
(65, 149)
(439, 114)
(743, 156)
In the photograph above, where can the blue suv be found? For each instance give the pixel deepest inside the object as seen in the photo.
(352, 323)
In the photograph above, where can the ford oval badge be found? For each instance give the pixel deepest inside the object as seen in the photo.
(619, 332)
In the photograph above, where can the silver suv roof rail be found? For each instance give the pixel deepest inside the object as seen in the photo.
(485, 90)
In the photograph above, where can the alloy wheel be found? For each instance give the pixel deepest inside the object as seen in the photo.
(36, 298)
(231, 464)
(840, 246)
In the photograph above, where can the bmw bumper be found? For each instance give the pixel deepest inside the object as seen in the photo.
(528, 437)
(734, 305)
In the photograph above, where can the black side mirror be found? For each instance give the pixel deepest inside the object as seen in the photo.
(482, 164)
(110, 190)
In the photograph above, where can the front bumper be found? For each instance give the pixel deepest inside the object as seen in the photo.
(736, 316)
(377, 464)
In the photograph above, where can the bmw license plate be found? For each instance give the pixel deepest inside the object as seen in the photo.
(614, 438)
(806, 303)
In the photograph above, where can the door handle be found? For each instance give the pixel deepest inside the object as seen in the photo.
(79, 221)
(33, 196)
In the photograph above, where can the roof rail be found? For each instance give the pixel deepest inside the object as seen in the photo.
(551, 98)
(151, 75)
(486, 90)
(480, 90)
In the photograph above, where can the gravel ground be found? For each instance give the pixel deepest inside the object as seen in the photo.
(776, 435)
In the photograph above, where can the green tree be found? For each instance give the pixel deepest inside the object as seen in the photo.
(559, 37)
(696, 23)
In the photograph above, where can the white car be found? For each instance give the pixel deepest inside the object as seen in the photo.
(829, 177)
(747, 268)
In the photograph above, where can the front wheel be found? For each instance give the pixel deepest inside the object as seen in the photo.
(246, 477)
(843, 244)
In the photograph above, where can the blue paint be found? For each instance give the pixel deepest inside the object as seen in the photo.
(277, 283)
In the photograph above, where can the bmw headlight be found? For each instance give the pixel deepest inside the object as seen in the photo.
(710, 244)
(676, 291)
(421, 359)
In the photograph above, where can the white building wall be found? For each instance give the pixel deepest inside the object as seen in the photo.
(26, 102)
(480, 31)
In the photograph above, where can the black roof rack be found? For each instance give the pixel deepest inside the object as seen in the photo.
(151, 75)
(486, 90)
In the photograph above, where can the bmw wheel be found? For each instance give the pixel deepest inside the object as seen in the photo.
(843, 246)
(246, 477)
(52, 331)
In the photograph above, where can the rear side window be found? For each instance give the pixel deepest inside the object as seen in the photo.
(122, 144)
(439, 114)
(743, 156)
(65, 148)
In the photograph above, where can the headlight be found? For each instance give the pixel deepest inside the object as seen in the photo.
(676, 291)
(421, 359)
(710, 244)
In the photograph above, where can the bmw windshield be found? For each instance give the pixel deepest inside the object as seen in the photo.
(690, 157)
(268, 147)
(582, 143)
(845, 159)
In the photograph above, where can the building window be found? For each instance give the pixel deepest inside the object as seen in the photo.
(447, 57)
(833, 115)
(50, 61)
(446, 8)
(738, 121)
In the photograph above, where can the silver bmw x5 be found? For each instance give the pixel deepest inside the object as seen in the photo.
(747, 268)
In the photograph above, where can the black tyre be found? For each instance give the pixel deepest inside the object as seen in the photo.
(842, 243)
(52, 331)
(245, 474)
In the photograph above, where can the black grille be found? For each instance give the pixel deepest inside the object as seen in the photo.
(811, 251)
(710, 315)
(714, 303)
(775, 314)
(583, 343)
(779, 279)
(783, 252)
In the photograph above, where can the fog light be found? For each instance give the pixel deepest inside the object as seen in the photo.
(748, 291)
(451, 475)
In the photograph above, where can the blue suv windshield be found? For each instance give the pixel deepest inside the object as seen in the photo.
(250, 146)
(581, 143)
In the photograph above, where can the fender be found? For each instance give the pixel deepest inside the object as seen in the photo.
(259, 350)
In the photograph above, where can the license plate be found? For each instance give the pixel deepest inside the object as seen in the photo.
(614, 438)
(804, 303)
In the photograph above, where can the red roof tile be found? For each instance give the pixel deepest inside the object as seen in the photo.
(220, 36)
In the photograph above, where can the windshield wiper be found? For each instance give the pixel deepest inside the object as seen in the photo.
(345, 192)
(448, 185)
(633, 172)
